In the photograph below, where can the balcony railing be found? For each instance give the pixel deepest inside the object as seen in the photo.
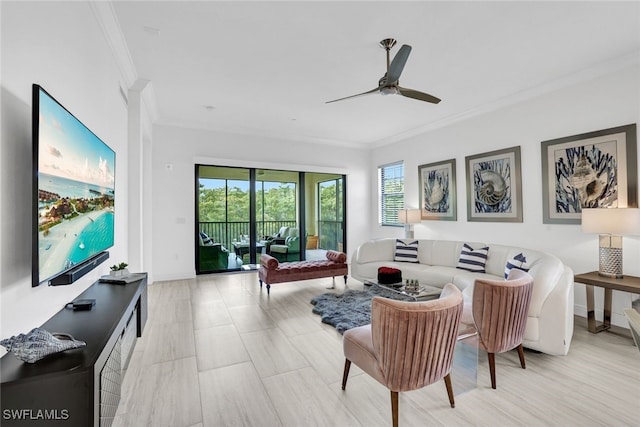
(227, 232)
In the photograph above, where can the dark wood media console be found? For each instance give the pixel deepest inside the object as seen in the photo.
(78, 387)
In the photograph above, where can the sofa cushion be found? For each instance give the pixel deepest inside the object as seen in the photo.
(473, 260)
(519, 261)
(376, 250)
(406, 251)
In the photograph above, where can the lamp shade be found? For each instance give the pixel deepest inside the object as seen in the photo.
(616, 221)
(409, 216)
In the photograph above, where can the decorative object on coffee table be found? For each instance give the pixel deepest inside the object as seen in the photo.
(38, 343)
(389, 276)
(412, 289)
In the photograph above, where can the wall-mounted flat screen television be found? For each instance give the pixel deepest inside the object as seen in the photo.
(73, 192)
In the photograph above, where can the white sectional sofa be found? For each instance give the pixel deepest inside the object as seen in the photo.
(550, 324)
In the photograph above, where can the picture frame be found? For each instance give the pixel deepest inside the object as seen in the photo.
(494, 186)
(437, 186)
(594, 169)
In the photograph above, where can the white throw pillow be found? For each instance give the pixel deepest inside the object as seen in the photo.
(406, 251)
(519, 261)
(474, 260)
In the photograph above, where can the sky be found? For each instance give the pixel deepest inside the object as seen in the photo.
(69, 150)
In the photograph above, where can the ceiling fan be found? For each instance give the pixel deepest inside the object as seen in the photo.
(388, 84)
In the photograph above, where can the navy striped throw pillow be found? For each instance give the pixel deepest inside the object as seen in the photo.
(473, 260)
(406, 251)
(206, 240)
(519, 261)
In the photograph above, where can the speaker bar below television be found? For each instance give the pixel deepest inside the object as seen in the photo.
(70, 276)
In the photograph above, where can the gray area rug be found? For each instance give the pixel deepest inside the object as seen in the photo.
(351, 308)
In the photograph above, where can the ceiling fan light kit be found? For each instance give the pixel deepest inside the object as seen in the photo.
(389, 83)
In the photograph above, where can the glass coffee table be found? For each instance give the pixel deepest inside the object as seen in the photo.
(424, 292)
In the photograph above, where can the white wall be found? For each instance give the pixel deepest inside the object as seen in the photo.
(174, 185)
(61, 47)
(609, 101)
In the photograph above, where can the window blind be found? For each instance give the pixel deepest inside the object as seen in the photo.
(391, 192)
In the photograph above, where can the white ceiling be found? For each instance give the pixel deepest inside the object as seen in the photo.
(267, 68)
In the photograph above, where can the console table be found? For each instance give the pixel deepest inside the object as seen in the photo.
(625, 284)
(79, 387)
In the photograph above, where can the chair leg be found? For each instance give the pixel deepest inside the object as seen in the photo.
(447, 383)
(345, 374)
(394, 408)
(345, 279)
(268, 289)
(260, 280)
(492, 369)
(521, 355)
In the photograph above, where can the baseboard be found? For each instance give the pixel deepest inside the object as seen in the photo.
(173, 276)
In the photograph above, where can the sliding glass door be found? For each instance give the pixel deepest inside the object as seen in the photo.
(331, 214)
(223, 218)
(278, 213)
(242, 213)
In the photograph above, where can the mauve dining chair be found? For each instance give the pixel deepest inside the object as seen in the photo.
(408, 345)
(500, 309)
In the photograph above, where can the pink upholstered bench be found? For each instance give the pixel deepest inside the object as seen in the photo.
(271, 271)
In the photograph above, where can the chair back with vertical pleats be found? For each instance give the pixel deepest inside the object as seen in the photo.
(500, 310)
(414, 341)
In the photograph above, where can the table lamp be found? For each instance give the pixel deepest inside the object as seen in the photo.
(408, 217)
(611, 224)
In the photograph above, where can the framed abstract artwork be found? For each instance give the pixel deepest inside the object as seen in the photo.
(591, 170)
(494, 188)
(438, 190)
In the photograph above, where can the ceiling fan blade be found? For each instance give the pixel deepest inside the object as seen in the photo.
(353, 96)
(397, 65)
(421, 96)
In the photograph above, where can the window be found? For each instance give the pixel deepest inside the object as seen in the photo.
(391, 185)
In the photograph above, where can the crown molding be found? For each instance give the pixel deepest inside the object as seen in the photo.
(598, 70)
(108, 20)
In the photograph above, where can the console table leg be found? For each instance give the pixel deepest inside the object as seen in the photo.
(592, 325)
(608, 294)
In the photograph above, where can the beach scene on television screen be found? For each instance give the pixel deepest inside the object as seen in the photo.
(75, 191)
